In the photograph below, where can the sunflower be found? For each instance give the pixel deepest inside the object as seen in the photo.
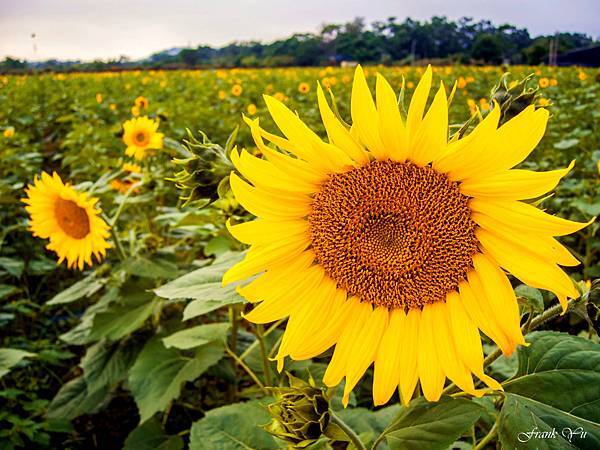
(392, 243)
(140, 135)
(236, 90)
(9, 132)
(69, 219)
(141, 102)
(303, 88)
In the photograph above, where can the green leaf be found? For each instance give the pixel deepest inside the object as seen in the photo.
(197, 336)
(10, 357)
(151, 436)
(366, 423)
(158, 373)
(13, 266)
(234, 427)
(530, 296)
(83, 288)
(150, 268)
(432, 425)
(106, 364)
(556, 386)
(75, 398)
(204, 287)
(120, 319)
(7, 289)
(566, 143)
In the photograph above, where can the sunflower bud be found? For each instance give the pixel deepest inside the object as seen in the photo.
(300, 413)
(514, 97)
(205, 172)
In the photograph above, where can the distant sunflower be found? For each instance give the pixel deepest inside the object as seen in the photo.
(389, 242)
(140, 136)
(141, 102)
(303, 88)
(69, 219)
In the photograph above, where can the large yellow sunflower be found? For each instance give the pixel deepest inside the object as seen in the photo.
(140, 136)
(69, 219)
(392, 243)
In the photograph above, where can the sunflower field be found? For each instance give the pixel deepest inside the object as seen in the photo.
(317, 258)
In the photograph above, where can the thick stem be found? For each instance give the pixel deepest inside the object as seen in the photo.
(348, 431)
(488, 437)
(263, 353)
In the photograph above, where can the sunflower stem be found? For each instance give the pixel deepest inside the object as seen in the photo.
(134, 186)
(116, 240)
(488, 437)
(349, 432)
(248, 370)
(263, 353)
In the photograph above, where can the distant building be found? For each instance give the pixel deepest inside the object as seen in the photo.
(587, 57)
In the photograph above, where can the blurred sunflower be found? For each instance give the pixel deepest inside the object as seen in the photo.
(389, 242)
(140, 136)
(303, 88)
(236, 90)
(9, 132)
(141, 102)
(133, 168)
(69, 219)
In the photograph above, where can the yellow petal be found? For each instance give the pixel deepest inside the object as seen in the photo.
(364, 115)
(300, 287)
(389, 359)
(430, 370)
(544, 246)
(467, 340)
(479, 311)
(501, 297)
(261, 258)
(432, 137)
(336, 370)
(465, 156)
(391, 126)
(263, 203)
(526, 266)
(364, 349)
(521, 215)
(417, 104)
(449, 359)
(513, 184)
(337, 133)
(409, 374)
(265, 231)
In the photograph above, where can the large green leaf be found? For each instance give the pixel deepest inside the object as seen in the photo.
(104, 365)
(121, 319)
(10, 357)
(197, 336)
(83, 288)
(431, 426)
(75, 398)
(557, 386)
(158, 373)
(366, 423)
(151, 436)
(150, 268)
(203, 286)
(234, 427)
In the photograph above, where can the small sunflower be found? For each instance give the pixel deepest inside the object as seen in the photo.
(141, 102)
(132, 168)
(236, 90)
(9, 132)
(303, 88)
(69, 219)
(391, 243)
(140, 136)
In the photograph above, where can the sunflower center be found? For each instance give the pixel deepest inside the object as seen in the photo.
(141, 138)
(393, 234)
(72, 218)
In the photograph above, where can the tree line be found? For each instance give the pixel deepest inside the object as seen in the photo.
(438, 40)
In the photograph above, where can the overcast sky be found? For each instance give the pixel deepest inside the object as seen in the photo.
(88, 29)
